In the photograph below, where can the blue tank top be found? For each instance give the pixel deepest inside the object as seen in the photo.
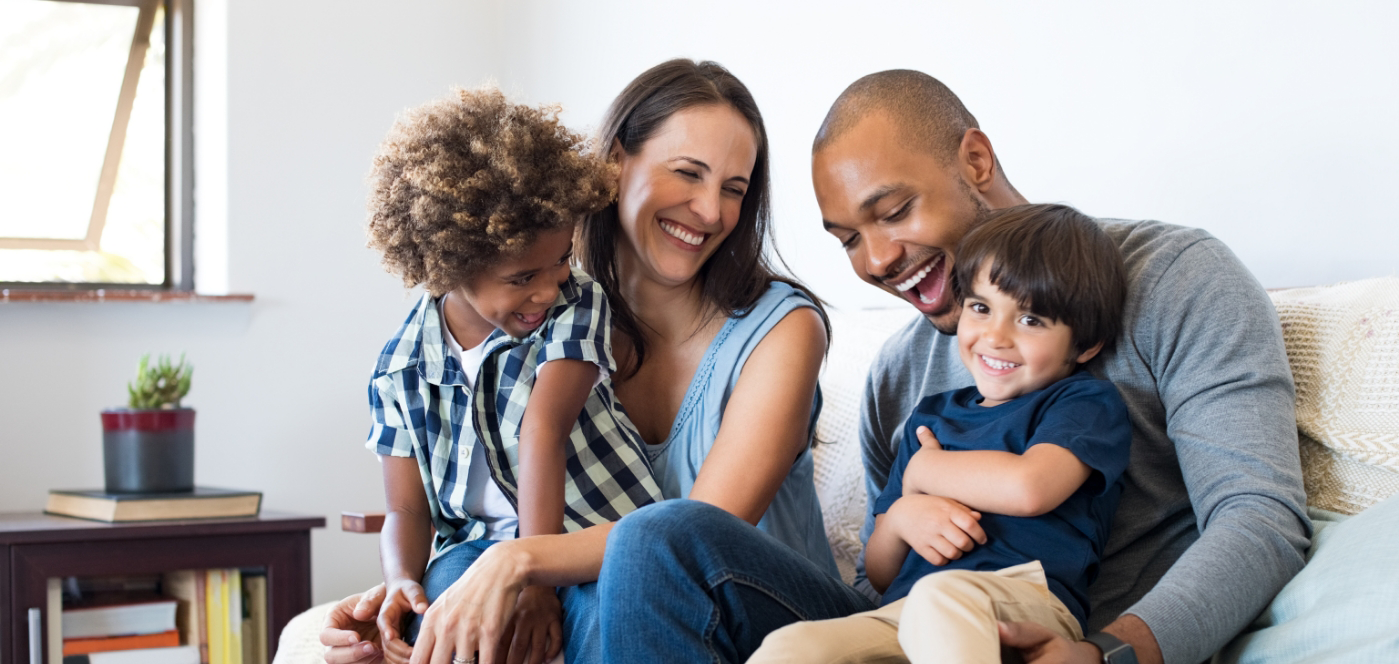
(794, 517)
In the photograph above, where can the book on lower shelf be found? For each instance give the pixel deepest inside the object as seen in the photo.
(84, 646)
(127, 618)
(201, 503)
(218, 615)
(173, 655)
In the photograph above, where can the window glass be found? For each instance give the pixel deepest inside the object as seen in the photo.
(82, 119)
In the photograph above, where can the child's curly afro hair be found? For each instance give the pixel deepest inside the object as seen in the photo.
(462, 181)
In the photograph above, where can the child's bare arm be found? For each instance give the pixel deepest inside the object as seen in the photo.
(936, 528)
(404, 543)
(560, 391)
(1028, 484)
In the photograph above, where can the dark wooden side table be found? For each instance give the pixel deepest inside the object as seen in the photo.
(35, 547)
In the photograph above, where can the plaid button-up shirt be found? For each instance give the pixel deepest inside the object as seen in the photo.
(423, 408)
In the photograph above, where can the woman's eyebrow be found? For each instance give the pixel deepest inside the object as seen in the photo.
(699, 164)
(705, 167)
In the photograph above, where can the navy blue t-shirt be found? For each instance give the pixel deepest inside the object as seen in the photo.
(1080, 413)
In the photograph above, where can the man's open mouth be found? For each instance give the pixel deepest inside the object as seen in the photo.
(926, 288)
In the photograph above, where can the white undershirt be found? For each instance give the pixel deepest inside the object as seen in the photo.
(484, 499)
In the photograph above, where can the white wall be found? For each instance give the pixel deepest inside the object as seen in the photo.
(1271, 124)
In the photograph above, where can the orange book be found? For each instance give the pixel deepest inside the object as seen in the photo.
(110, 643)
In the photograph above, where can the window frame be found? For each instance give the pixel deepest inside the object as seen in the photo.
(179, 157)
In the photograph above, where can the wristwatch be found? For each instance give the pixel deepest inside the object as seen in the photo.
(1115, 650)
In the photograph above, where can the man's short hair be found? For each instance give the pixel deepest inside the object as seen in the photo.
(925, 111)
(1056, 262)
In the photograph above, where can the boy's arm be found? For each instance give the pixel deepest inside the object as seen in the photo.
(404, 543)
(936, 528)
(1028, 484)
(561, 389)
(884, 554)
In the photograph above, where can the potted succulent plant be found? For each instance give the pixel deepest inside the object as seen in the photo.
(148, 447)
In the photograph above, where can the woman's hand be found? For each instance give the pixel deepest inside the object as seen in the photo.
(938, 529)
(351, 633)
(536, 635)
(475, 611)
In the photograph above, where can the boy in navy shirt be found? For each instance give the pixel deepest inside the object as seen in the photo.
(998, 504)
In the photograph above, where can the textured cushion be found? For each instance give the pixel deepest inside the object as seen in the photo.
(856, 337)
(1343, 608)
(300, 642)
(1343, 345)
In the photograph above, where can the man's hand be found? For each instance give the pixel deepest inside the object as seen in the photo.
(351, 633)
(936, 528)
(1041, 646)
(1038, 645)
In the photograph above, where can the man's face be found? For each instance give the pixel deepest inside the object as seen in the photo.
(899, 212)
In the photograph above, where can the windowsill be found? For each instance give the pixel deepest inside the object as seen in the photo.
(115, 295)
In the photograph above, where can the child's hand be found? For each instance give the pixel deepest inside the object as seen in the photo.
(927, 439)
(402, 597)
(537, 626)
(938, 529)
(925, 455)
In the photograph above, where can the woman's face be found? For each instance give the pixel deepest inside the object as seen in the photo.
(679, 196)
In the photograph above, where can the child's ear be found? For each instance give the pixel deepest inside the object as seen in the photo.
(1090, 353)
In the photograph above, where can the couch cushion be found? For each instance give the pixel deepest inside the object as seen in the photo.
(1344, 605)
(856, 337)
(1343, 345)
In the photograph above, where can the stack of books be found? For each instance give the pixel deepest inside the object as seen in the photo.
(209, 616)
(133, 630)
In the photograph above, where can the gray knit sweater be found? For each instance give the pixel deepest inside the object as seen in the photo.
(1212, 521)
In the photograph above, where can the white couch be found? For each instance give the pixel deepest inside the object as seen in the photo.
(1343, 344)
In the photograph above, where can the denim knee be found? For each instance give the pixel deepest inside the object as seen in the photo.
(670, 520)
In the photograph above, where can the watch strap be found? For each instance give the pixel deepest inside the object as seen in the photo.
(1115, 650)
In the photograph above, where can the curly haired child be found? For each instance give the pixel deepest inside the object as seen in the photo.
(493, 413)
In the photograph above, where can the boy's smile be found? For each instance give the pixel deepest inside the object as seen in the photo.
(1009, 350)
(515, 294)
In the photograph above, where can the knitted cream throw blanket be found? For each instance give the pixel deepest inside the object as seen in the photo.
(1343, 345)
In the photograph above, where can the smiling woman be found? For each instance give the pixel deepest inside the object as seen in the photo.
(83, 178)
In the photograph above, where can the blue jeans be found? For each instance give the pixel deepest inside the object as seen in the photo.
(684, 581)
(580, 634)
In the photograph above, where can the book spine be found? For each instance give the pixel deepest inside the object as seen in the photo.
(168, 639)
(216, 618)
(235, 616)
(54, 637)
(201, 582)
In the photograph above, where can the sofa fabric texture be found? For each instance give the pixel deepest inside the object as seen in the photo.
(1343, 345)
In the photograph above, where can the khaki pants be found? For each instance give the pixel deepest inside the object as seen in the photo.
(947, 617)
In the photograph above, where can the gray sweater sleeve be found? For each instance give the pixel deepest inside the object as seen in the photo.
(1214, 345)
(877, 450)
